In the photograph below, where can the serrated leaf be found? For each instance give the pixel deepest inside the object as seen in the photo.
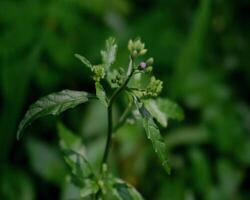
(156, 112)
(79, 166)
(52, 104)
(170, 108)
(84, 60)
(109, 54)
(154, 135)
(101, 94)
(163, 109)
(125, 191)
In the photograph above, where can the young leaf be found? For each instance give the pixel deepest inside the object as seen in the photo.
(125, 191)
(109, 54)
(80, 168)
(53, 104)
(84, 60)
(163, 109)
(156, 112)
(154, 135)
(170, 108)
(101, 94)
(89, 190)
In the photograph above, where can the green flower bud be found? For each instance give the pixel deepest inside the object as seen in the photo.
(149, 69)
(134, 54)
(99, 72)
(150, 61)
(142, 52)
(130, 45)
(154, 87)
(136, 47)
(137, 44)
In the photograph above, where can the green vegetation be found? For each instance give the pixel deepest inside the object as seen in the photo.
(200, 51)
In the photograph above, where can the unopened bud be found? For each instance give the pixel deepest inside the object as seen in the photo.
(150, 61)
(135, 54)
(137, 44)
(143, 51)
(149, 69)
(142, 65)
(130, 45)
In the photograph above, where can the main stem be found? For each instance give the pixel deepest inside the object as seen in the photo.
(109, 136)
(110, 122)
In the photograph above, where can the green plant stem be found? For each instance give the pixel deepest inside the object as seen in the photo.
(109, 136)
(110, 123)
(124, 117)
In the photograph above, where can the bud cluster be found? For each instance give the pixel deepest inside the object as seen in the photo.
(99, 72)
(154, 87)
(115, 78)
(136, 48)
(146, 66)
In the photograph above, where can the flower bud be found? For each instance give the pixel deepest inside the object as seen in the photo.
(142, 65)
(134, 54)
(150, 61)
(149, 69)
(137, 44)
(142, 52)
(130, 45)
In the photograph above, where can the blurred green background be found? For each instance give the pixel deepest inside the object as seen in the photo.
(201, 50)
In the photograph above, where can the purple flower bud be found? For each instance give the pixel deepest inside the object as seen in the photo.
(142, 65)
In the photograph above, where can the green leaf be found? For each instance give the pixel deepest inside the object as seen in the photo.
(170, 108)
(109, 54)
(69, 140)
(53, 104)
(154, 135)
(155, 111)
(84, 60)
(125, 191)
(73, 192)
(101, 94)
(79, 166)
(90, 188)
(163, 109)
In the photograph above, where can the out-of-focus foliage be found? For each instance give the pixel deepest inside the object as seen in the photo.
(201, 52)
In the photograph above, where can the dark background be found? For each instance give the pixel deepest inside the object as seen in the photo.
(201, 50)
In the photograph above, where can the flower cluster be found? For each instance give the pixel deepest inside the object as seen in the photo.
(154, 87)
(136, 48)
(99, 72)
(115, 78)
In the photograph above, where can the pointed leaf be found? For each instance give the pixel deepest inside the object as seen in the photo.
(84, 60)
(125, 191)
(109, 54)
(101, 94)
(156, 112)
(170, 108)
(79, 166)
(163, 109)
(154, 135)
(53, 104)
